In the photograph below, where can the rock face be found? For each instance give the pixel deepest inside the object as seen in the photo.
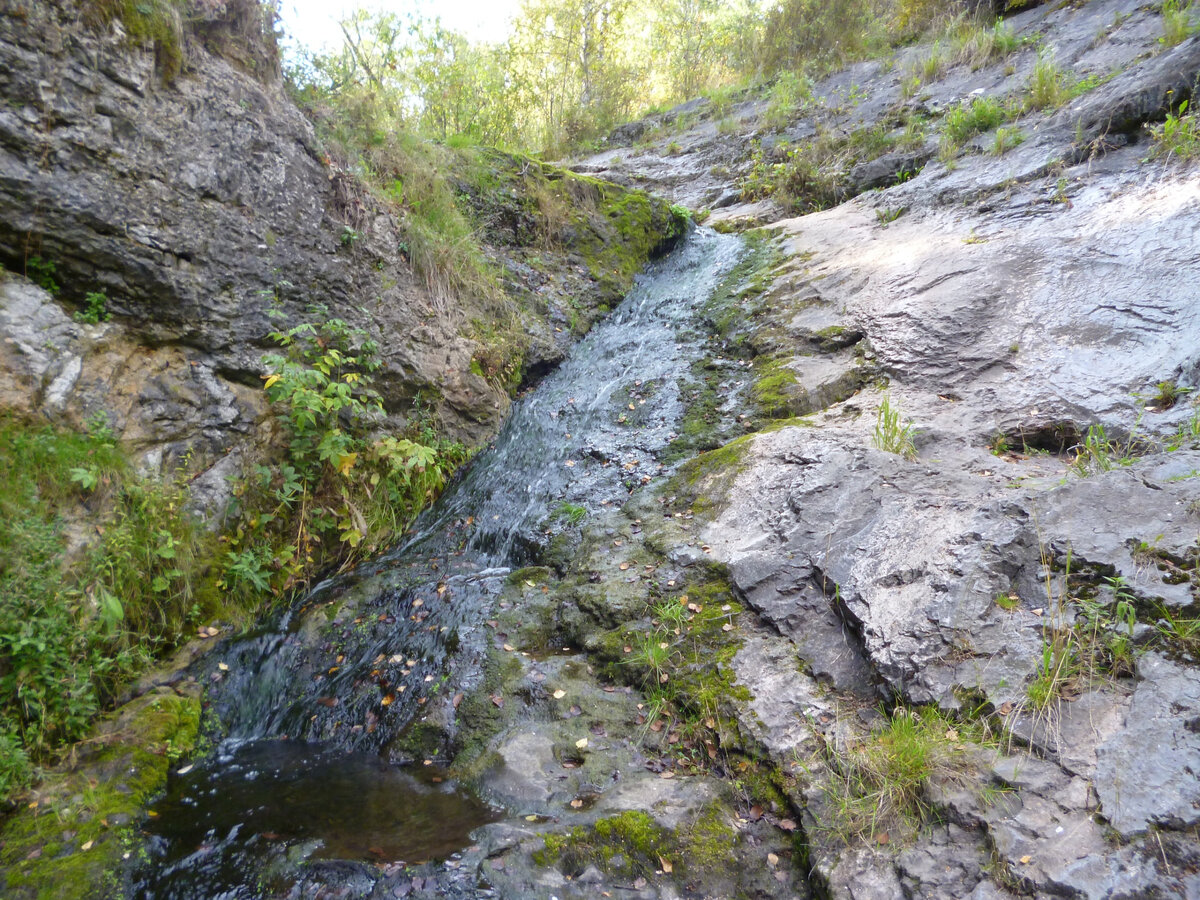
(1012, 302)
(195, 204)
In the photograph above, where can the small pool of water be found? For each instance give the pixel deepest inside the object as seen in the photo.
(265, 806)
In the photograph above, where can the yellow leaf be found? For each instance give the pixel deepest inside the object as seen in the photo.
(87, 845)
(559, 694)
(271, 379)
(581, 743)
(346, 463)
(1025, 860)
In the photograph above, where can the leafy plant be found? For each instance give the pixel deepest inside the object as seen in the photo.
(95, 309)
(891, 434)
(1178, 135)
(41, 272)
(343, 490)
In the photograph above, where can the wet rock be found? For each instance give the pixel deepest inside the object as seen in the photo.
(1145, 773)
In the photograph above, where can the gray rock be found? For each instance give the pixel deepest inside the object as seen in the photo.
(1147, 773)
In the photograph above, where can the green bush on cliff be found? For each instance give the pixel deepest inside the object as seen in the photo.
(70, 633)
(341, 490)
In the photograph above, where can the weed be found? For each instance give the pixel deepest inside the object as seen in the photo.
(886, 215)
(1006, 138)
(1099, 454)
(95, 309)
(1007, 601)
(1167, 394)
(1177, 23)
(891, 434)
(1178, 135)
(570, 513)
(880, 782)
(963, 122)
(789, 94)
(41, 272)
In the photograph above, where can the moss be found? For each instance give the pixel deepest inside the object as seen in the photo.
(96, 802)
(627, 845)
(159, 22)
(478, 718)
(776, 390)
(703, 483)
(710, 846)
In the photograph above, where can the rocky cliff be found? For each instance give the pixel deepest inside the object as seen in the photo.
(174, 176)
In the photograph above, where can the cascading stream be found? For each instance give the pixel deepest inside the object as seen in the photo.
(356, 661)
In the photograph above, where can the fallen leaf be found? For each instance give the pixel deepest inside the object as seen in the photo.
(559, 694)
(576, 803)
(787, 824)
(772, 859)
(581, 743)
(727, 627)
(1025, 860)
(509, 648)
(882, 839)
(456, 700)
(666, 865)
(223, 667)
(756, 812)
(87, 845)
(497, 701)
(328, 701)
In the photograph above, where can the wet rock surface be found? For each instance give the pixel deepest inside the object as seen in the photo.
(671, 700)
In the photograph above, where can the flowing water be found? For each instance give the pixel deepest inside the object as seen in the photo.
(312, 703)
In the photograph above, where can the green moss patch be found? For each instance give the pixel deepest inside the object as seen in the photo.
(72, 840)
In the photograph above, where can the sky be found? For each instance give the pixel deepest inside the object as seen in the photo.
(313, 23)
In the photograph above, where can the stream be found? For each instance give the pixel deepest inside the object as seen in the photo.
(313, 703)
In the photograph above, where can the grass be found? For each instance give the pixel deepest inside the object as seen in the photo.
(891, 434)
(1087, 636)
(790, 93)
(964, 121)
(1177, 24)
(1006, 138)
(1098, 453)
(878, 784)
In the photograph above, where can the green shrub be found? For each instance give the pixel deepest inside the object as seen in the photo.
(342, 490)
(1176, 23)
(1178, 136)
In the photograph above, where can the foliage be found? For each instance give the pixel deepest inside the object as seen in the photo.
(573, 69)
(95, 309)
(55, 668)
(879, 782)
(1178, 135)
(891, 434)
(1177, 22)
(343, 491)
(41, 272)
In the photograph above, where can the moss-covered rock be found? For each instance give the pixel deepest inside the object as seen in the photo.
(73, 838)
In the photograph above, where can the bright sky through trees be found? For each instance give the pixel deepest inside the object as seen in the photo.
(313, 23)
